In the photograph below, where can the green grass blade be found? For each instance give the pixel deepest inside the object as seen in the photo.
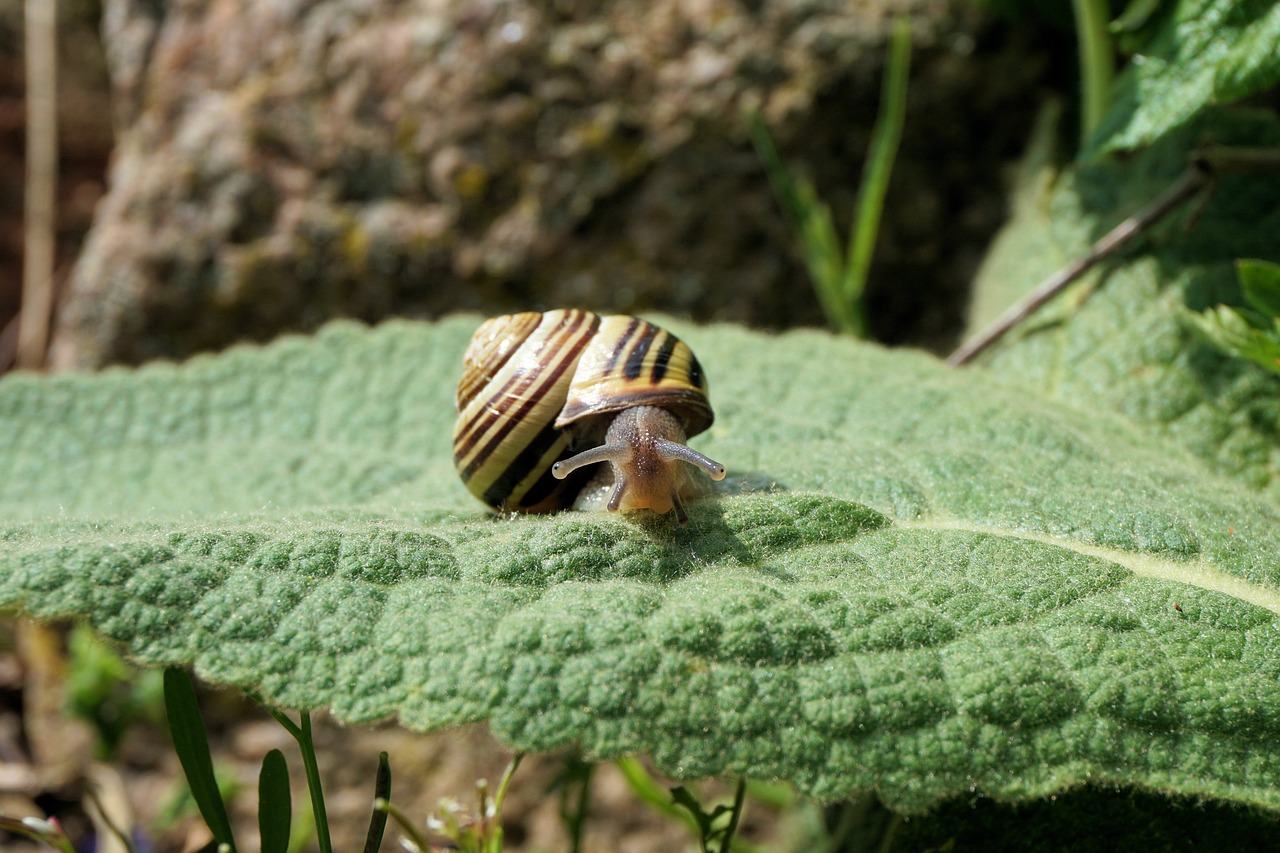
(381, 791)
(1097, 63)
(189, 741)
(811, 223)
(644, 786)
(275, 803)
(1134, 16)
(885, 140)
(784, 186)
(302, 734)
(38, 830)
(495, 839)
(839, 278)
(824, 258)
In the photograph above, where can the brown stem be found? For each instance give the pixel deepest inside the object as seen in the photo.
(1239, 159)
(1206, 164)
(9, 345)
(42, 180)
(1197, 177)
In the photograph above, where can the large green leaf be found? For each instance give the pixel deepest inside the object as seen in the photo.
(955, 584)
(1120, 339)
(1205, 53)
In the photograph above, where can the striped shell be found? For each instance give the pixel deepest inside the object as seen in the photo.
(533, 389)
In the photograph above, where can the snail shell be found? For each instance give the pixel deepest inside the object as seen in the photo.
(545, 396)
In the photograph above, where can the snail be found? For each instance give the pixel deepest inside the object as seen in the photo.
(544, 397)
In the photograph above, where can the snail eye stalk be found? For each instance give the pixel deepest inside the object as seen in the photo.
(613, 453)
(673, 450)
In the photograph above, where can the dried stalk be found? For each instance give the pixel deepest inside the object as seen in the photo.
(41, 184)
(1200, 176)
(1196, 178)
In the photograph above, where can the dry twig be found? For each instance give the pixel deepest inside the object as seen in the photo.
(1199, 177)
(41, 184)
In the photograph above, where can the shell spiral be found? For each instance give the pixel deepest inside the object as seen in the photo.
(538, 387)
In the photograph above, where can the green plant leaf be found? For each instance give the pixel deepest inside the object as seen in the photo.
(680, 796)
(301, 732)
(1206, 53)
(839, 275)
(814, 229)
(1136, 14)
(955, 585)
(1249, 333)
(192, 746)
(275, 803)
(1118, 340)
(381, 791)
(1231, 331)
(708, 832)
(108, 693)
(1260, 282)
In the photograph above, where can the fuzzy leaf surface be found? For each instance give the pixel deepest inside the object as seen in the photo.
(1120, 339)
(956, 584)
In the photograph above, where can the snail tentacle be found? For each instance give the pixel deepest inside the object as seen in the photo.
(675, 450)
(619, 491)
(645, 449)
(604, 453)
(681, 516)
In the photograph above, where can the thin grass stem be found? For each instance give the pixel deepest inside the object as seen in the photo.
(885, 139)
(1097, 63)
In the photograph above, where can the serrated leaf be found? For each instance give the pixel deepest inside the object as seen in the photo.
(1206, 53)
(955, 585)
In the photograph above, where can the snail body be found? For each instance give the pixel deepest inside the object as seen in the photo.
(545, 397)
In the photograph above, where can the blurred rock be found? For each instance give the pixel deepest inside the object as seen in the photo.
(286, 161)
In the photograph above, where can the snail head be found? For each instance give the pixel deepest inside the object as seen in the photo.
(645, 446)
